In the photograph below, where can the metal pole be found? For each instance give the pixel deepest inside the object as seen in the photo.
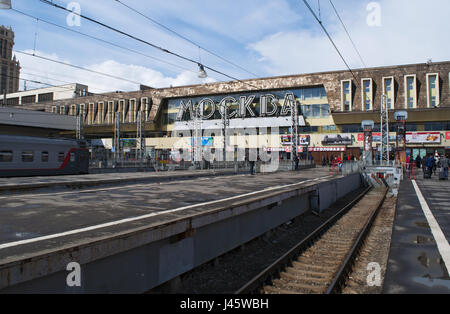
(224, 118)
(294, 132)
(384, 128)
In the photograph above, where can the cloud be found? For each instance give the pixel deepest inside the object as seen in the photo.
(58, 74)
(411, 31)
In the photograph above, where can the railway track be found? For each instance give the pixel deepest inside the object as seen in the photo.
(320, 263)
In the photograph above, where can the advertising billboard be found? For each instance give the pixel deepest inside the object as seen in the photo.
(423, 138)
(337, 139)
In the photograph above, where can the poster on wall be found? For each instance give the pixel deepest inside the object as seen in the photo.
(447, 136)
(302, 140)
(376, 137)
(423, 138)
(206, 141)
(337, 139)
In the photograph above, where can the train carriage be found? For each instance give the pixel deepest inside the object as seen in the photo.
(33, 156)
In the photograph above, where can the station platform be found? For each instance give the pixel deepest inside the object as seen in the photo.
(146, 233)
(70, 181)
(419, 258)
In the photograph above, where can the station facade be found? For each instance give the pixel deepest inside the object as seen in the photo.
(330, 109)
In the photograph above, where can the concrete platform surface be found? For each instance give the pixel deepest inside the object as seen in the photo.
(27, 183)
(418, 260)
(98, 213)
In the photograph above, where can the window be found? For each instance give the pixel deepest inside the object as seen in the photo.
(171, 118)
(44, 156)
(411, 127)
(62, 110)
(366, 94)
(437, 126)
(388, 89)
(61, 157)
(315, 111)
(27, 156)
(92, 113)
(432, 90)
(12, 101)
(72, 157)
(308, 129)
(101, 112)
(346, 95)
(410, 92)
(45, 97)
(329, 128)
(6, 156)
(29, 99)
(352, 128)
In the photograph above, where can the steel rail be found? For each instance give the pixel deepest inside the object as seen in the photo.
(341, 275)
(267, 275)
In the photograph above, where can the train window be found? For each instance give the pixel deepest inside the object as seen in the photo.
(6, 156)
(28, 156)
(61, 157)
(72, 157)
(44, 156)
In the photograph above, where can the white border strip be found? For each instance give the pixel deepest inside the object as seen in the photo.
(118, 222)
(439, 237)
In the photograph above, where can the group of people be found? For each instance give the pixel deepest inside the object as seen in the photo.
(430, 164)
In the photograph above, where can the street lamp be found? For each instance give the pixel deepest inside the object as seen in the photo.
(202, 72)
(5, 4)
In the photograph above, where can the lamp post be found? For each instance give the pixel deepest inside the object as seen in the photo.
(225, 123)
(401, 117)
(367, 126)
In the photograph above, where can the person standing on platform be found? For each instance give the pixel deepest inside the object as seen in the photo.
(418, 161)
(424, 164)
(436, 162)
(445, 163)
(296, 160)
(339, 162)
(252, 167)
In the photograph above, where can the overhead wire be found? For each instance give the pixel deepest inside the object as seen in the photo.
(57, 80)
(184, 38)
(104, 41)
(348, 34)
(77, 67)
(331, 40)
(146, 42)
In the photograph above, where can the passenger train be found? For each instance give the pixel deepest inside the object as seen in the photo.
(34, 156)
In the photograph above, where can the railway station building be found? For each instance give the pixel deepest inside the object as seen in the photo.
(331, 107)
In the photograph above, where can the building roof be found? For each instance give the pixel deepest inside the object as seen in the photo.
(36, 119)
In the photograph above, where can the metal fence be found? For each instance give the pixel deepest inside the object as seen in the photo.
(109, 165)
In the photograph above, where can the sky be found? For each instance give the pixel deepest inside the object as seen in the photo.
(264, 37)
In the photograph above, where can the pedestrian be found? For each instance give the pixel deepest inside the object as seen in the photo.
(445, 163)
(424, 164)
(339, 162)
(430, 164)
(296, 160)
(436, 162)
(418, 161)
